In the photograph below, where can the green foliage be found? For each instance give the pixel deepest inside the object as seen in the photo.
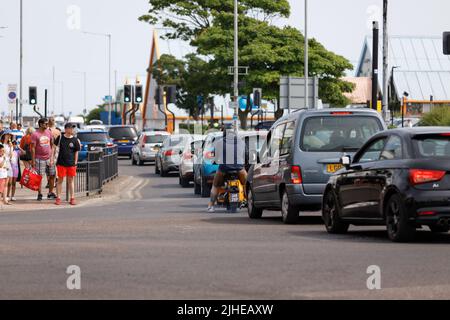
(439, 116)
(269, 51)
(94, 114)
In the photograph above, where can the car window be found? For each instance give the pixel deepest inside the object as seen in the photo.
(393, 149)
(155, 138)
(432, 146)
(122, 133)
(276, 140)
(92, 137)
(338, 133)
(372, 152)
(286, 143)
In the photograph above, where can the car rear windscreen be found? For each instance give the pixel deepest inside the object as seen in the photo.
(122, 133)
(338, 133)
(432, 146)
(92, 137)
(155, 139)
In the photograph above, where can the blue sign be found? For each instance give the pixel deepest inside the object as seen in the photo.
(107, 99)
(12, 96)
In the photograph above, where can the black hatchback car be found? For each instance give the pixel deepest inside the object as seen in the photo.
(399, 178)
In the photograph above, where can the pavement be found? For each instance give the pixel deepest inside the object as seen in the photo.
(148, 238)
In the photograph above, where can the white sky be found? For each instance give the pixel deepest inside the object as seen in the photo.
(340, 25)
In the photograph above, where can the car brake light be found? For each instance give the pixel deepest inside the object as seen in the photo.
(340, 113)
(418, 176)
(427, 213)
(169, 153)
(296, 175)
(109, 144)
(144, 140)
(445, 134)
(208, 155)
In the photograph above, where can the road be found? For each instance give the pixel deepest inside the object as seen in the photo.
(157, 242)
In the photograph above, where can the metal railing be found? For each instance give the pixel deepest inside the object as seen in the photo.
(101, 167)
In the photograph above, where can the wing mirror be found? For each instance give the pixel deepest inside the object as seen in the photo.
(346, 161)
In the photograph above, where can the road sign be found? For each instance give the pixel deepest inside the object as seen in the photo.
(12, 94)
(292, 93)
(107, 99)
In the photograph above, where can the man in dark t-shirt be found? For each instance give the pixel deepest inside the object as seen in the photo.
(67, 161)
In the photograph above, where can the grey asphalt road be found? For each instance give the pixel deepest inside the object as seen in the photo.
(155, 241)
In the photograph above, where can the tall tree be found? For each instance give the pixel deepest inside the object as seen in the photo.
(269, 51)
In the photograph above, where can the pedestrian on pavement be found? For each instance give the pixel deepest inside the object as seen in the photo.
(8, 151)
(52, 127)
(42, 144)
(25, 146)
(3, 175)
(67, 161)
(15, 166)
(20, 127)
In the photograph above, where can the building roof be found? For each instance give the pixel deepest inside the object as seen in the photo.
(423, 70)
(363, 89)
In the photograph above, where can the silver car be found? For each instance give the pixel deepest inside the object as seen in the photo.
(187, 159)
(147, 147)
(168, 157)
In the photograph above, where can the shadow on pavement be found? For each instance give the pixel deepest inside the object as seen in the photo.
(374, 236)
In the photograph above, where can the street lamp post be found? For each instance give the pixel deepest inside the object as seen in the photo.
(21, 63)
(236, 65)
(392, 88)
(306, 55)
(385, 59)
(108, 36)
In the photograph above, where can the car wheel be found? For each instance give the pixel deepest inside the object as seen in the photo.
(398, 227)
(156, 167)
(163, 173)
(133, 161)
(288, 212)
(184, 182)
(438, 229)
(330, 215)
(141, 162)
(206, 189)
(253, 212)
(197, 187)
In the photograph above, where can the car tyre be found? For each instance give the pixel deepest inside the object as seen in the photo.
(253, 211)
(288, 212)
(197, 187)
(157, 167)
(399, 228)
(330, 215)
(184, 182)
(133, 161)
(438, 229)
(141, 162)
(206, 189)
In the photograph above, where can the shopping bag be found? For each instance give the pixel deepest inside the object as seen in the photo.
(31, 179)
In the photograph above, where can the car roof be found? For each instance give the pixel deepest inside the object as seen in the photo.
(408, 132)
(91, 131)
(318, 112)
(156, 133)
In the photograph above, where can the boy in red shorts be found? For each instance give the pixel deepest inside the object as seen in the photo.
(67, 161)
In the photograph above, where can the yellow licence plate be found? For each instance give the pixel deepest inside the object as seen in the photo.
(123, 141)
(332, 168)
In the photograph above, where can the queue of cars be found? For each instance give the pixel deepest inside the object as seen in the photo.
(343, 162)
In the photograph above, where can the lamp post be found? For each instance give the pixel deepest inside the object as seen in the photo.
(392, 88)
(236, 65)
(21, 63)
(306, 55)
(108, 36)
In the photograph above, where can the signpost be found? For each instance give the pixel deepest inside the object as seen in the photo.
(12, 98)
(292, 93)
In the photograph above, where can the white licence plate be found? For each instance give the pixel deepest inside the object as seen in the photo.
(234, 197)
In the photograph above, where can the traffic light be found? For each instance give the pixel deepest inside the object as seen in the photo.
(158, 96)
(257, 97)
(32, 94)
(171, 94)
(127, 93)
(138, 94)
(446, 38)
